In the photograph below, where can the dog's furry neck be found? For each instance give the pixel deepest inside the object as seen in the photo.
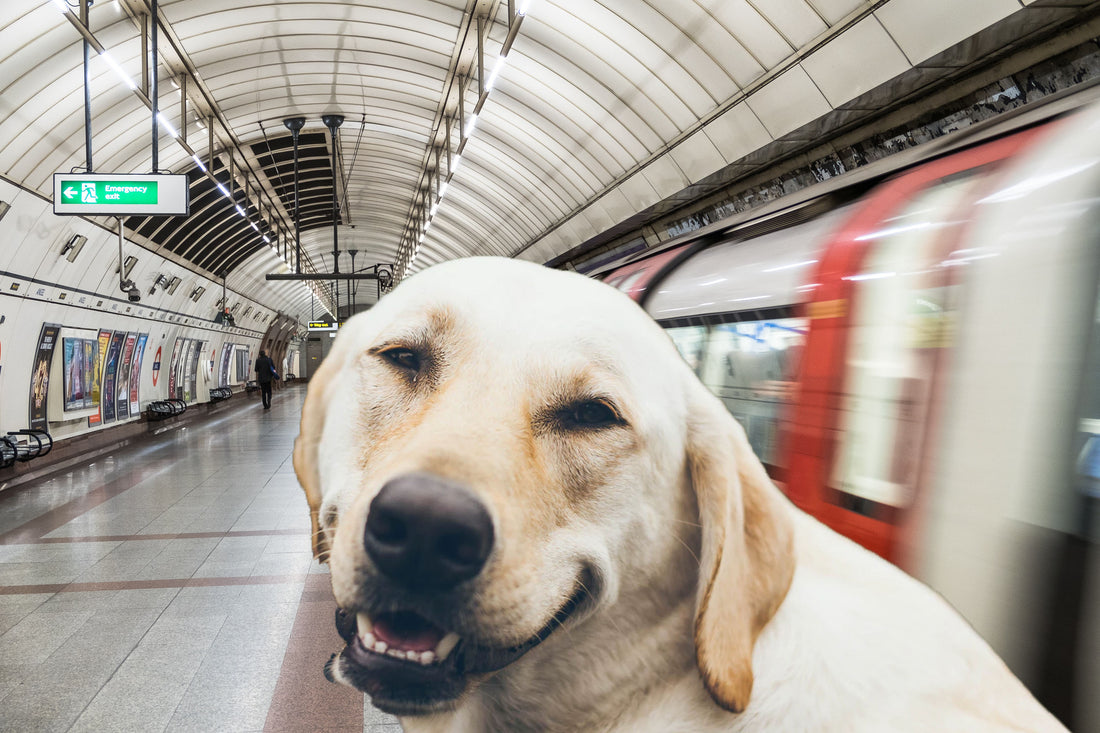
(568, 684)
(591, 676)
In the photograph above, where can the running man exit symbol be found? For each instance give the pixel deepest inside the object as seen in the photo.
(87, 193)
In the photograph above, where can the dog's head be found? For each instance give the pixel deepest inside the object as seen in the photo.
(497, 450)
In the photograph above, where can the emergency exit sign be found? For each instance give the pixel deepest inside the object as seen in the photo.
(121, 194)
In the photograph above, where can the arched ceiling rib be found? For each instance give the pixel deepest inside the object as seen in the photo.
(603, 108)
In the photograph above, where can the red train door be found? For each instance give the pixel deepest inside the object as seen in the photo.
(864, 403)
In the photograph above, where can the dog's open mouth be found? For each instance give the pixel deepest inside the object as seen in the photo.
(409, 665)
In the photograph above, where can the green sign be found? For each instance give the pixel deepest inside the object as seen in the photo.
(117, 193)
(121, 194)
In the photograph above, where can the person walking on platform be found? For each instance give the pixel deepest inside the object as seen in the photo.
(265, 373)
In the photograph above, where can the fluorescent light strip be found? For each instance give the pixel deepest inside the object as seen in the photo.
(62, 6)
(167, 125)
(240, 210)
(224, 190)
(198, 162)
(501, 60)
(118, 70)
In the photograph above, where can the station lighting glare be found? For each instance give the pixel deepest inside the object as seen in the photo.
(167, 125)
(254, 225)
(501, 60)
(224, 190)
(198, 162)
(118, 70)
(471, 124)
(435, 208)
(240, 210)
(523, 7)
(61, 5)
(443, 188)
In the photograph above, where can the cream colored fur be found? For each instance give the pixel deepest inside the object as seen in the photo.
(720, 606)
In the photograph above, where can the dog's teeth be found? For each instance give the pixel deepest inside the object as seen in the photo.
(367, 639)
(380, 646)
(445, 645)
(427, 657)
(364, 624)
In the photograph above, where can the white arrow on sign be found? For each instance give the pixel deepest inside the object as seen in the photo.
(69, 192)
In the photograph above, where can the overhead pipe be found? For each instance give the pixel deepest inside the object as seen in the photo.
(87, 92)
(333, 122)
(295, 125)
(154, 96)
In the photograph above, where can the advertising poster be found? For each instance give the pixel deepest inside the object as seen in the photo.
(135, 375)
(172, 371)
(223, 376)
(90, 349)
(243, 372)
(97, 377)
(72, 353)
(40, 375)
(110, 375)
(189, 371)
(122, 395)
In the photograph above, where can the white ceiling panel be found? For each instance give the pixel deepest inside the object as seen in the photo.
(665, 176)
(737, 132)
(860, 59)
(697, 156)
(624, 102)
(795, 20)
(789, 102)
(923, 28)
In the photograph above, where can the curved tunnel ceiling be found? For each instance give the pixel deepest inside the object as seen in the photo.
(599, 110)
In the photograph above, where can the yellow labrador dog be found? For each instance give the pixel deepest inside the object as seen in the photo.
(538, 519)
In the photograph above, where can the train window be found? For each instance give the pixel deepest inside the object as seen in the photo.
(690, 341)
(752, 367)
(902, 316)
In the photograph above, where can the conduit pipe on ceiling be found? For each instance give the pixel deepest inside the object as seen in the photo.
(154, 97)
(333, 122)
(295, 125)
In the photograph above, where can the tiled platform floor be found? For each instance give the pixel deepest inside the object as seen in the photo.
(171, 588)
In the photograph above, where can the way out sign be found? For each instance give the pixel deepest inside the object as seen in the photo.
(120, 194)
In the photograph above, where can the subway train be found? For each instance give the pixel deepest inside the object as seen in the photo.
(914, 352)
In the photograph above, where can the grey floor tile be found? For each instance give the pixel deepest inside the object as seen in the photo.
(38, 635)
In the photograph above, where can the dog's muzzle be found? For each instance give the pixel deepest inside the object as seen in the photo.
(426, 536)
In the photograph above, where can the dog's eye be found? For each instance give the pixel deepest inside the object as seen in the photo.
(590, 414)
(402, 358)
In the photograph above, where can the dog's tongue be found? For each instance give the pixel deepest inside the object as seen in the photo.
(407, 631)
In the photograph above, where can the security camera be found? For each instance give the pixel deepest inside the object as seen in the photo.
(134, 295)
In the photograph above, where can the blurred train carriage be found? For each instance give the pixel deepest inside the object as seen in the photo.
(914, 351)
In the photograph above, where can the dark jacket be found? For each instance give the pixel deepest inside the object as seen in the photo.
(265, 369)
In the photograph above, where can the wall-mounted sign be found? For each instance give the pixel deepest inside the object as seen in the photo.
(321, 326)
(120, 194)
(156, 367)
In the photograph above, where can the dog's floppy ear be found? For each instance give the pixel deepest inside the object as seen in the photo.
(305, 449)
(747, 558)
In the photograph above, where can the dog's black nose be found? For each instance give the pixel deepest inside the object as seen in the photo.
(428, 533)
